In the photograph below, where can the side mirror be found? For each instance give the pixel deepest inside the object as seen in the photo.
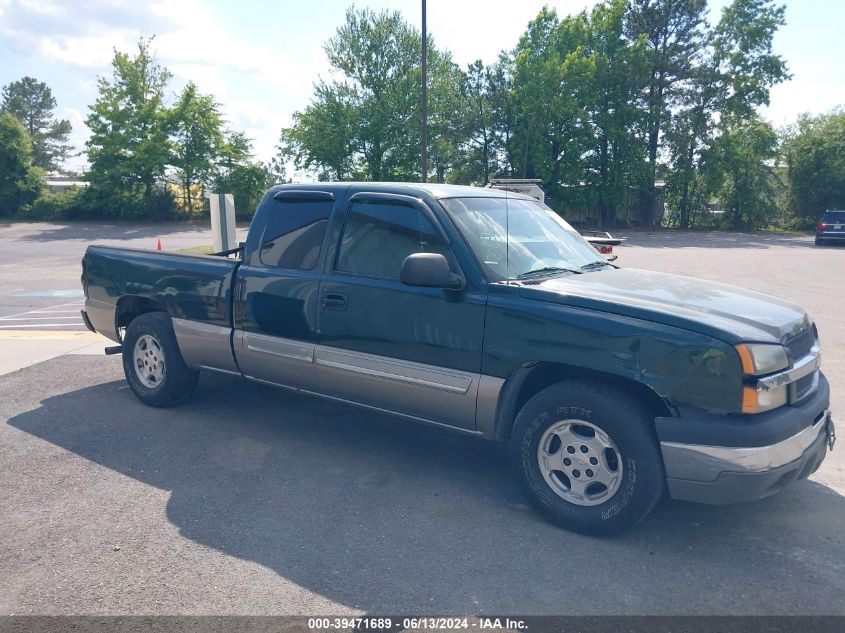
(429, 270)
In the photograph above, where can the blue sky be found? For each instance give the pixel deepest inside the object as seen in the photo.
(260, 58)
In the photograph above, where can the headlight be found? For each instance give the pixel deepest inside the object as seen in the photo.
(758, 401)
(759, 359)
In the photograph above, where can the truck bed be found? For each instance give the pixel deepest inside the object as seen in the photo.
(192, 287)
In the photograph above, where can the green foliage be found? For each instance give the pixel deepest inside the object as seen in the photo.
(129, 147)
(745, 153)
(20, 182)
(197, 138)
(674, 32)
(598, 105)
(32, 102)
(814, 151)
(244, 178)
(366, 126)
(743, 51)
(56, 205)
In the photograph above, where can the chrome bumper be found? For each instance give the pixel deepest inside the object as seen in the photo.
(720, 474)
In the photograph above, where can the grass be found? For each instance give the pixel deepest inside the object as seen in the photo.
(196, 250)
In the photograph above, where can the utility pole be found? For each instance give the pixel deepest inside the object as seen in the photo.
(527, 133)
(424, 105)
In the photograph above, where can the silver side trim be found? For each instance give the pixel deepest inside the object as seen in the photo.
(221, 371)
(204, 345)
(391, 369)
(705, 463)
(286, 348)
(417, 391)
(324, 396)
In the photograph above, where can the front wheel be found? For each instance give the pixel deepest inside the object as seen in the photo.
(153, 364)
(588, 457)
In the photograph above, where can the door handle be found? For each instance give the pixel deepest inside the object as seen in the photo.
(334, 301)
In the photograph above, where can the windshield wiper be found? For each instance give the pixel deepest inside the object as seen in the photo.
(596, 264)
(547, 270)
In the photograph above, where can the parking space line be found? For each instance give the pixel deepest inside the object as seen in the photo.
(18, 325)
(58, 305)
(39, 318)
(57, 335)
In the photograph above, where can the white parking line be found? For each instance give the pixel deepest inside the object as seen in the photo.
(54, 311)
(41, 318)
(60, 305)
(29, 325)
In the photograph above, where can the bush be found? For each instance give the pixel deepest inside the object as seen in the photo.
(53, 205)
(91, 204)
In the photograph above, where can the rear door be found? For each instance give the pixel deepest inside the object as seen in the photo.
(275, 310)
(411, 350)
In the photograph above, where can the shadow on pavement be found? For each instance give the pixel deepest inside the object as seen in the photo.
(390, 517)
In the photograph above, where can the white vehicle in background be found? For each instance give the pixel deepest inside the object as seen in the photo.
(602, 241)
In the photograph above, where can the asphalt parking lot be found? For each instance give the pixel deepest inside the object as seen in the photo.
(250, 500)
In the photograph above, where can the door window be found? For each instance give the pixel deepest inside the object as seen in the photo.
(294, 233)
(378, 236)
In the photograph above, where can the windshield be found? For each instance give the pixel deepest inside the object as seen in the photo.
(515, 237)
(834, 217)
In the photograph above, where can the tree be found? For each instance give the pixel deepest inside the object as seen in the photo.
(476, 112)
(675, 33)
(618, 71)
(32, 102)
(737, 71)
(197, 130)
(243, 177)
(129, 146)
(814, 150)
(365, 125)
(551, 77)
(504, 114)
(323, 137)
(745, 153)
(20, 182)
(743, 51)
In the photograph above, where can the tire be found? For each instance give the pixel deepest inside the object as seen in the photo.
(819, 241)
(620, 476)
(153, 364)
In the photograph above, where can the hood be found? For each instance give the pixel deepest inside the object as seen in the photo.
(726, 312)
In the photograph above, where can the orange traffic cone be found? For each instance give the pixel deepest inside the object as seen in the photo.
(158, 246)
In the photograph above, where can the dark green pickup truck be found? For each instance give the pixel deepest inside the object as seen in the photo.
(483, 311)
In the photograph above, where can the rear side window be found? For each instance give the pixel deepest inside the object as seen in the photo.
(294, 233)
(378, 236)
(834, 217)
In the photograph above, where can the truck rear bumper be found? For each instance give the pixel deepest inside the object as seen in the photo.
(714, 473)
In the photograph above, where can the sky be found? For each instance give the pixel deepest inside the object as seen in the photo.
(260, 59)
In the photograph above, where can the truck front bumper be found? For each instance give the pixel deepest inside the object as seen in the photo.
(743, 458)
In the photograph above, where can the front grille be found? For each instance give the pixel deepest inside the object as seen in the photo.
(803, 386)
(800, 345)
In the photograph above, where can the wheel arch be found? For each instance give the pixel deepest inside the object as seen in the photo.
(130, 307)
(531, 378)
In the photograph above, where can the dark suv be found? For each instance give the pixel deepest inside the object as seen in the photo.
(831, 227)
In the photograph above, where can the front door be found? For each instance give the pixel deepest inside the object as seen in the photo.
(411, 350)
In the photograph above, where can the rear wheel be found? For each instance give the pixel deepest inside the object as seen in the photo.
(588, 457)
(153, 364)
(819, 241)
